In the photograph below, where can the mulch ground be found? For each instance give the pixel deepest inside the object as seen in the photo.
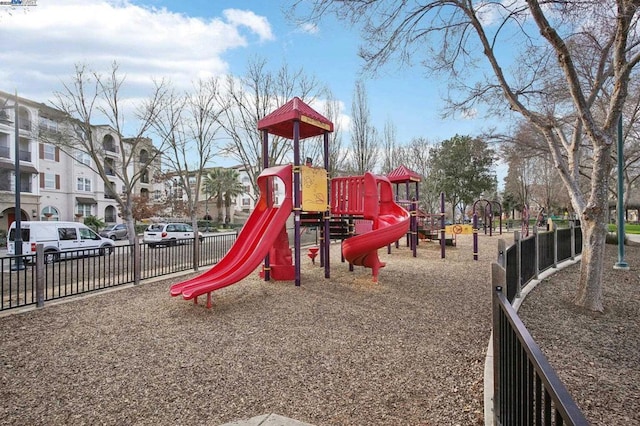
(596, 355)
(407, 350)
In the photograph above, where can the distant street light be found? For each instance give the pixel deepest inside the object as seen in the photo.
(621, 263)
(17, 240)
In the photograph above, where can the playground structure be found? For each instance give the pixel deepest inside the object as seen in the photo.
(264, 237)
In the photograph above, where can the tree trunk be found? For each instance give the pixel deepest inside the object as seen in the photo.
(589, 293)
(594, 233)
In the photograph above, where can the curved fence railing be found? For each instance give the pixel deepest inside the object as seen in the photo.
(526, 390)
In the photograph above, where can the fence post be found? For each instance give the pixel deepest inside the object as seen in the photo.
(536, 249)
(40, 275)
(496, 276)
(137, 260)
(517, 237)
(196, 250)
(555, 246)
(572, 226)
(502, 254)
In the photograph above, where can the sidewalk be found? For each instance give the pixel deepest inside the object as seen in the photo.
(267, 420)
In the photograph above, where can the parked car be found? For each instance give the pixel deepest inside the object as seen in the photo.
(60, 239)
(115, 232)
(169, 234)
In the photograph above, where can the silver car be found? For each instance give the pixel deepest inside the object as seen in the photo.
(115, 232)
(169, 234)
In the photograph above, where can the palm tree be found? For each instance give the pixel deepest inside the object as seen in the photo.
(232, 188)
(213, 186)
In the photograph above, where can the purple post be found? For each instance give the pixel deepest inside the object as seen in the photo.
(265, 165)
(475, 235)
(414, 227)
(296, 197)
(442, 231)
(327, 216)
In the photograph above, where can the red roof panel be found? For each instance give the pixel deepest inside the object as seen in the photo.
(280, 122)
(404, 174)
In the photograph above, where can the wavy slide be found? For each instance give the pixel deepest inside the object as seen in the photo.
(390, 223)
(252, 245)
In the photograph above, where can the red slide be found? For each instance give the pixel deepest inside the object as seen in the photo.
(390, 223)
(253, 243)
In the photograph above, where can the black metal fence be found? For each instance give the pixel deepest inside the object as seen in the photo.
(526, 390)
(31, 281)
(527, 257)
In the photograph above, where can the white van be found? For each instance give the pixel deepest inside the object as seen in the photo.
(60, 239)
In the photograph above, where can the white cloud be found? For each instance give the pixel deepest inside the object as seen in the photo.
(258, 24)
(309, 28)
(43, 44)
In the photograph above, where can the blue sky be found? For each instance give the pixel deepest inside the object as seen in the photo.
(186, 39)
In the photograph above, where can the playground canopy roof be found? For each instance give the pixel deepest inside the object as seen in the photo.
(403, 174)
(280, 122)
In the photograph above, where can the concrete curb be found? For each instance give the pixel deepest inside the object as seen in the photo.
(489, 418)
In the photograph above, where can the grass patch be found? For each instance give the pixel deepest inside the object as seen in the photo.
(628, 229)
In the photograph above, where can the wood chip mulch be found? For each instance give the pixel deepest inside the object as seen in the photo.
(407, 350)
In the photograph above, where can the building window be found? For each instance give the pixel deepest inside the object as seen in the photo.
(157, 194)
(109, 144)
(109, 167)
(49, 181)
(246, 202)
(144, 176)
(84, 209)
(48, 152)
(50, 213)
(110, 214)
(83, 158)
(83, 184)
(108, 190)
(5, 180)
(25, 182)
(47, 124)
(5, 151)
(144, 156)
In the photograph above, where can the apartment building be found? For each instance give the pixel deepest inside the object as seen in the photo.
(57, 185)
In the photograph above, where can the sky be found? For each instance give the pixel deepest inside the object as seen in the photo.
(188, 39)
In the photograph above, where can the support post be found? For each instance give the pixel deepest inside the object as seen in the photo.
(620, 264)
(296, 198)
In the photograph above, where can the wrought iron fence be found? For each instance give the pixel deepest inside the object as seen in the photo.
(527, 257)
(82, 271)
(526, 390)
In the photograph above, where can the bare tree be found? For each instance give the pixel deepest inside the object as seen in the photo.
(417, 157)
(365, 143)
(188, 124)
(91, 96)
(337, 157)
(390, 158)
(568, 55)
(246, 100)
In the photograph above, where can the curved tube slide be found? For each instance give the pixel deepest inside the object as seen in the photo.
(390, 223)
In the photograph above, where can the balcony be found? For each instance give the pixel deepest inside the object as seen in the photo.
(24, 124)
(5, 152)
(25, 155)
(110, 148)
